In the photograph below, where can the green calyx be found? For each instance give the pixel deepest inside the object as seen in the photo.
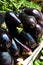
(19, 29)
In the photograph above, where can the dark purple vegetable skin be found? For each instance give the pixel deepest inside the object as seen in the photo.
(11, 18)
(30, 24)
(38, 29)
(5, 58)
(33, 12)
(12, 21)
(5, 39)
(13, 48)
(22, 45)
(27, 20)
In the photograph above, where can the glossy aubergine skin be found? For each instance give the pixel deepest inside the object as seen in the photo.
(41, 15)
(5, 39)
(27, 20)
(12, 19)
(34, 12)
(22, 36)
(35, 32)
(28, 38)
(22, 45)
(13, 48)
(30, 24)
(5, 58)
(11, 29)
(38, 29)
(41, 23)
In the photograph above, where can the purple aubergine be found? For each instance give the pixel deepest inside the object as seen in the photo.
(5, 58)
(5, 38)
(22, 45)
(38, 29)
(27, 38)
(33, 12)
(13, 48)
(12, 19)
(27, 20)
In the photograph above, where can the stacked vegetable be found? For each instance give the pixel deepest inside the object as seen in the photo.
(22, 35)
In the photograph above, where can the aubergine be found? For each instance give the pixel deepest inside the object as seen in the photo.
(41, 15)
(17, 13)
(30, 25)
(22, 35)
(33, 12)
(13, 48)
(41, 24)
(27, 20)
(5, 58)
(38, 29)
(12, 19)
(35, 32)
(27, 38)
(5, 39)
(22, 45)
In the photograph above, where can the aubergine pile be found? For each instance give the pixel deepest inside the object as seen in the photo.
(23, 33)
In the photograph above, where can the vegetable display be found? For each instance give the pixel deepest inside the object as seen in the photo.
(21, 35)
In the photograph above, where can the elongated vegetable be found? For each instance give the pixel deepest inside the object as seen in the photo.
(34, 12)
(5, 39)
(12, 19)
(5, 58)
(27, 20)
(13, 48)
(19, 32)
(30, 25)
(22, 45)
(38, 29)
(27, 37)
